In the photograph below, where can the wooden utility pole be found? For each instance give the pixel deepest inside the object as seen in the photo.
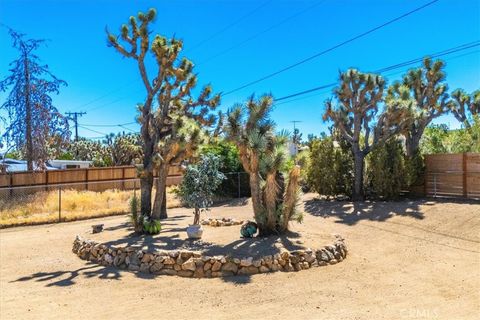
(74, 117)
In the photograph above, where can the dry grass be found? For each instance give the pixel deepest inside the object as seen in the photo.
(42, 207)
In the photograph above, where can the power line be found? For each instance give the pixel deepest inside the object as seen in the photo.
(296, 64)
(215, 56)
(392, 67)
(262, 32)
(216, 34)
(95, 131)
(74, 117)
(108, 125)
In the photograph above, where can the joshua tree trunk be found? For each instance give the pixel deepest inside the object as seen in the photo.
(257, 199)
(290, 197)
(412, 142)
(160, 204)
(270, 196)
(358, 176)
(146, 184)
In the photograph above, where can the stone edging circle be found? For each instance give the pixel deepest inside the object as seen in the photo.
(185, 263)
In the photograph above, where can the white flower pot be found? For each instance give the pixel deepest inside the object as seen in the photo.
(194, 231)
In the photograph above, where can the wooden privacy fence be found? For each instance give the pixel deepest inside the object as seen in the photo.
(452, 175)
(88, 176)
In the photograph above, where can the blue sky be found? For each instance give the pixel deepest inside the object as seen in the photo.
(266, 36)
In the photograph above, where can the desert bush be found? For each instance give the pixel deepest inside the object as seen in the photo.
(229, 165)
(330, 172)
(386, 170)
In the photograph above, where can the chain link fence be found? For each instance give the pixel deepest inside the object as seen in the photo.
(74, 201)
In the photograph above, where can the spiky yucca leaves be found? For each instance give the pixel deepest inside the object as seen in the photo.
(465, 106)
(162, 121)
(262, 154)
(356, 117)
(427, 88)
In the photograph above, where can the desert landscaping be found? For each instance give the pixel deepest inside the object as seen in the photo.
(417, 259)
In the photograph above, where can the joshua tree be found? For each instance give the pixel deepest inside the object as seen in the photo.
(355, 117)
(168, 109)
(428, 89)
(463, 106)
(33, 120)
(262, 155)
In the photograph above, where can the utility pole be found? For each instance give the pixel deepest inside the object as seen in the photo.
(74, 117)
(294, 132)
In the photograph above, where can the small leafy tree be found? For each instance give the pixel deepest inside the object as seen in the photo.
(263, 154)
(32, 118)
(464, 106)
(386, 169)
(355, 117)
(170, 116)
(199, 184)
(331, 167)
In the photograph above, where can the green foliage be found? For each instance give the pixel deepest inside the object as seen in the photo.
(151, 226)
(230, 167)
(386, 170)
(227, 153)
(199, 184)
(16, 154)
(330, 172)
(414, 169)
(439, 139)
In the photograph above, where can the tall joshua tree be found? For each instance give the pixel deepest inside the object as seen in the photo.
(428, 89)
(463, 106)
(356, 118)
(32, 118)
(262, 155)
(169, 115)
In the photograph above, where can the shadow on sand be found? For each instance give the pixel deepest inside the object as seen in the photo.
(350, 213)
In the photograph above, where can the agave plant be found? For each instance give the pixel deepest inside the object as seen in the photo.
(263, 155)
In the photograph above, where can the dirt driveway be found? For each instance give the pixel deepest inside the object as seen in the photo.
(407, 260)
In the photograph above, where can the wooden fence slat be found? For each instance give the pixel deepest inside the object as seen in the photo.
(455, 175)
(83, 175)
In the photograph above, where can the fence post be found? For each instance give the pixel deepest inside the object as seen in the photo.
(238, 185)
(134, 188)
(465, 191)
(434, 185)
(60, 204)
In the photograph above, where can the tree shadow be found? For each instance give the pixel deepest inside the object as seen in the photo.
(91, 270)
(350, 213)
(231, 202)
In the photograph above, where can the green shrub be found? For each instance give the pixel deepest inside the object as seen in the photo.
(386, 170)
(230, 166)
(330, 171)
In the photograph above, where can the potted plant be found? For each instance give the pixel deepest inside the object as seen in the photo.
(198, 186)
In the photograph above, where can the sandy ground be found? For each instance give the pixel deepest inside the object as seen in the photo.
(407, 260)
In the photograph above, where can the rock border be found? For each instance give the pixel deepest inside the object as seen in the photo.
(223, 222)
(186, 263)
